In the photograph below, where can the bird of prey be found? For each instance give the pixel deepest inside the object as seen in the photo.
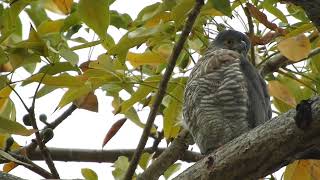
(225, 96)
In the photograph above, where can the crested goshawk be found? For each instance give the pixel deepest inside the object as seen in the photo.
(225, 96)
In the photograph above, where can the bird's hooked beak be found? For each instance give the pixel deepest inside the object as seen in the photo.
(241, 47)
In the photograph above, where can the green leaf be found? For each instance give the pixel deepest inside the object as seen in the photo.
(95, 14)
(121, 165)
(73, 94)
(105, 62)
(58, 68)
(3, 57)
(7, 156)
(180, 11)
(89, 174)
(297, 12)
(21, 56)
(270, 6)
(119, 20)
(99, 77)
(144, 89)
(144, 160)
(280, 105)
(44, 90)
(299, 91)
(149, 11)
(3, 81)
(12, 127)
(63, 80)
(173, 111)
(138, 37)
(172, 169)
(8, 111)
(72, 20)
(69, 55)
(222, 6)
(36, 13)
(304, 27)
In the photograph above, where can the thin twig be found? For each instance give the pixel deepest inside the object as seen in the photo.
(274, 63)
(62, 117)
(162, 87)
(296, 79)
(33, 167)
(23, 103)
(45, 153)
(251, 33)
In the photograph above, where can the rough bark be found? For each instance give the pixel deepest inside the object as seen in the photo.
(9, 176)
(261, 151)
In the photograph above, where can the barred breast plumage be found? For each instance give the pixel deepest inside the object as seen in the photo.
(219, 96)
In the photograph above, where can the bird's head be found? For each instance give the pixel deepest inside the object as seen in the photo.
(233, 40)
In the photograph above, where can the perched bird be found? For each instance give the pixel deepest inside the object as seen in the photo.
(225, 96)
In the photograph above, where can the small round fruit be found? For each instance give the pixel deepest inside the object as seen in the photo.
(43, 117)
(26, 120)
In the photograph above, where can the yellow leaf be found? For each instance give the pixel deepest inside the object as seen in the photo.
(295, 48)
(50, 27)
(58, 6)
(208, 10)
(4, 97)
(9, 166)
(280, 91)
(148, 57)
(160, 18)
(303, 169)
(64, 5)
(63, 80)
(95, 14)
(3, 138)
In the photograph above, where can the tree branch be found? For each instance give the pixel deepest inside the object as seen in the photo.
(174, 152)
(251, 33)
(260, 151)
(162, 87)
(277, 61)
(9, 176)
(100, 156)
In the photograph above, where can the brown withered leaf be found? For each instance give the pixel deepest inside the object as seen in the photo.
(9, 166)
(7, 67)
(88, 102)
(113, 130)
(267, 38)
(261, 17)
(84, 66)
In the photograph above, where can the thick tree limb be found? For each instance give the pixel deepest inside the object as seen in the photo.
(260, 151)
(101, 156)
(9, 176)
(162, 87)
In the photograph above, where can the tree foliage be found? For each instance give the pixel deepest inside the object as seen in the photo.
(136, 62)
